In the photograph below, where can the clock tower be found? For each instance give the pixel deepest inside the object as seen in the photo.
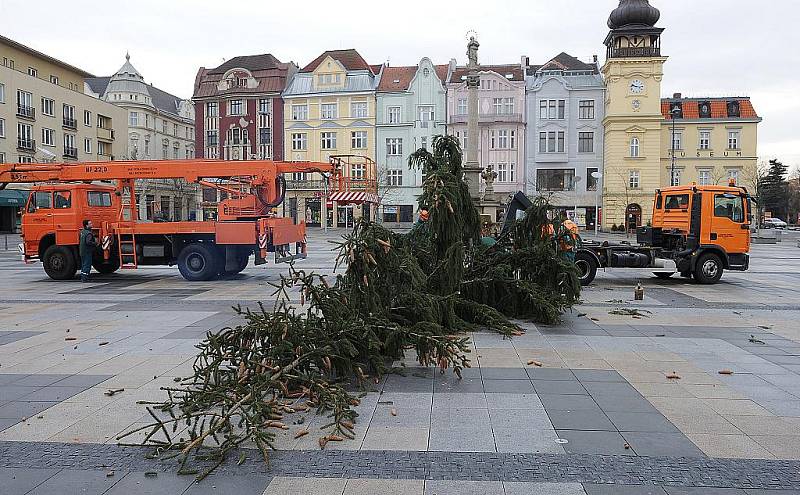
(632, 146)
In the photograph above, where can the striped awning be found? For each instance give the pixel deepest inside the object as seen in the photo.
(355, 197)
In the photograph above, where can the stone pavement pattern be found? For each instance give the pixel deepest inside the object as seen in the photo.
(600, 415)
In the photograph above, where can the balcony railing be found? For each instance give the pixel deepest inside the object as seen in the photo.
(26, 112)
(26, 144)
(488, 118)
(70, 123)
(70, 152)
(105, 134)
(304, 185)
(634, 52)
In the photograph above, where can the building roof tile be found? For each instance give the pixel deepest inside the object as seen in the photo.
(349, 58)
(512, 70)
(719, 108)
(249, 62)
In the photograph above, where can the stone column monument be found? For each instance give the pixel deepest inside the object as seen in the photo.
(472, 168)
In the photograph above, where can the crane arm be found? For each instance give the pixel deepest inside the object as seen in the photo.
(262, 172)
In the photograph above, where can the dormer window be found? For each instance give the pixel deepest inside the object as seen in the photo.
(676, 110)
(734, 109)
(704, 108)
(326, 79)
(241, 82)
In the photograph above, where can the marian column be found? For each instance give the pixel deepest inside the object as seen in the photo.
(472, 168)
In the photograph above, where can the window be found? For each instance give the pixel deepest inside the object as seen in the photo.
(235, 107)
(48, 107)
(175, 130)
(394, 146)
(69, 116)
(2, 93)
(591, 181)
(175, 152)
(237, 136)
(551, 142)
(505, 172)
(393, 114)
(24, 104)
(586, 142)
(264, 106)
(163, 126)
(164, 151)
(508, 106)
(425, 116)
(299, 112)
(394, 177)
(498, 105)
(328, 140)
(729, 206)
(62, 200)
(424, 141)
(69, 146)
(33, 72)
(555, 180)
(676, 177)
(357, 171)
(462, 138)
(103, 149)
(48, 137)
(146, 121)
(552, 109)
(677, 142)
(586, 109)
(25, 159)
(2, 157)
(41, 200)
(212, 138)
(461, 106)
(328, 111)
(264, 135)
(134, 119)
(733, 140)
(705, 140)
(25, 136)
(2, 128)
(633, 179)
(329, 78)
(704, 177)
(502, 139)
(87, 118)
(634, 147)
(212, 109)
(676, 202)
(358, 109)
(299, 141)
(358, 139)
(733, 174)
(87, 145)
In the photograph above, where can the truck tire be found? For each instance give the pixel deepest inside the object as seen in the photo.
(708, 269)
(664, 275)
(60, 263)
(198, 262)
(106, 267)
(587, 268)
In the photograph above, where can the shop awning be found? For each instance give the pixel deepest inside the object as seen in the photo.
(354, 197)
(13, 197)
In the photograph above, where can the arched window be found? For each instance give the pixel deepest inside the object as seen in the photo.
(635, 147)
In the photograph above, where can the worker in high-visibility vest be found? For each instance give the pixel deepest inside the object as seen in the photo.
(569, 239)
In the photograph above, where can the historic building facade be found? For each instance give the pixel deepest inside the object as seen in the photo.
(501, 121)
(716, 140)
(330, 110)
(564, 115)
(46, 117)
(160, 127)
(410, 110)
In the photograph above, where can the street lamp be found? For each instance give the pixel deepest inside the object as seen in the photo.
(675, 112)
(596, 176)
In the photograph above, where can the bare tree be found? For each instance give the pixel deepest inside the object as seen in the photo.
(626, 183)
(752, 177)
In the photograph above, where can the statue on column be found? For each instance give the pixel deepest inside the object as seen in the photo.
(472, 52)
(489, 176)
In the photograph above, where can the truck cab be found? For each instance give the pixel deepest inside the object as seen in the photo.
(53, 219)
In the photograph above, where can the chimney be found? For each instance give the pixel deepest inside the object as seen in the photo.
(524, 62)
(677, 96)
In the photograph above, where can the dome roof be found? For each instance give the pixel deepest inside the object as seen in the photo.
(633, 13)
(127, 80)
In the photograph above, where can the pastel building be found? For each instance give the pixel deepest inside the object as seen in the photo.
(564, 115)
(330, 110)
(410, 104)
(501, 121)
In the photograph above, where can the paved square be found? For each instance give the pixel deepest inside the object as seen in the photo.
(621, 405)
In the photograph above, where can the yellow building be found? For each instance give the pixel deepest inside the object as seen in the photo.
(716, 140)
(330, 110)
(633, 121)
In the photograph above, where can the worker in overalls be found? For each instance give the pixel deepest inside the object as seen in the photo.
(86, 247)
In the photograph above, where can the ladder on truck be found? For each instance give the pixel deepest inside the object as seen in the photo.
(125, 232)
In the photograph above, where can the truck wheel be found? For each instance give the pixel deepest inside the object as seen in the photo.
(664, 275)
(106, 267)
(708, 269)
(59, 263)
(587, 268)
(242, 265)
(197, 262)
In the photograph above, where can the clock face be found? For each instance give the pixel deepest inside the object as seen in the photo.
(637, 86)
(636, 104)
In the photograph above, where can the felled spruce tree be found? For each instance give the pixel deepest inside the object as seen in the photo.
(399, 293)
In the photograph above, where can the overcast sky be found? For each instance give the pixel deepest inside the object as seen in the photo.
(715, 47)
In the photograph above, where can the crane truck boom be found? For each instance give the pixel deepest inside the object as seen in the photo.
(67, 193)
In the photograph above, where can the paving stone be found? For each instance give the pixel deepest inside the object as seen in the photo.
(559, 387)
(140, 484)
(88, 482)
(551, 374)
(477, 439)
(593, 489)
(224, 485)
(642, 422)
(520, 418)
(21, 480)
(731, 446)
(609, 389)
(460, 401)
(504, 374)
(387, 487)
(13, 392)
(507, 386)
(580, 420)
(524, 440)
(10, 378)
(459, 418)
(434, 487)
(514, 401)
(594, 442)
(598, 376)
(543, 489)
(661, 444)
(305, 486)
(395, 438)
(624, 403)
(18, 410)
(470, 386)
(683, 490)
(570, 403)
(406, 417)
(52, 393)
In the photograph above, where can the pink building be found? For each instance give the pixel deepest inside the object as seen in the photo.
(501, 121)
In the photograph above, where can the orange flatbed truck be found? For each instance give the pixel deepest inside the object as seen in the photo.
(65, 194)
(697, 231)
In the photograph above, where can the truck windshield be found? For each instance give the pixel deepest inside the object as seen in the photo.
(62, 199)
(99, 198)
(729, 206)
(40, 200)
(677, 202)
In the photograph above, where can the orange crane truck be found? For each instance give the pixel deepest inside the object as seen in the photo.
(65, 194)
